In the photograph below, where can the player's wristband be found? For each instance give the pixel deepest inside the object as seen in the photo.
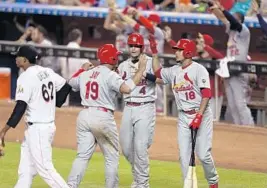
(151, 77)
(131, 84)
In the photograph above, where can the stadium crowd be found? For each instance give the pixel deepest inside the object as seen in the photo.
(198, 6)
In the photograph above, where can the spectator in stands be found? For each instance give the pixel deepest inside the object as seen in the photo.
(119, 3)
(17, 1)
(145, 5)
(71, 65)
(241, 6)
(38, 36)
(227, 4)
(74, 2)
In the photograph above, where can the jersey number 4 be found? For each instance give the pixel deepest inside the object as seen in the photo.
(48, 91)
(143, 90)
(91, 90)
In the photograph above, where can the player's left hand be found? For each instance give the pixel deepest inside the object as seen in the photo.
(195, 124)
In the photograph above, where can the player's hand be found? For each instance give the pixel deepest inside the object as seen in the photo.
(142, 62)
(255, 6)
(195, 124)
(167, 33)
(153, 44)
(87, 66)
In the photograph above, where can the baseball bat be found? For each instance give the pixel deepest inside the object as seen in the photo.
(191, 177)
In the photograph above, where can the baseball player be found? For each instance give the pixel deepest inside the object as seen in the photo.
(39, 90)
(150, 25)
(237, 86)
(191, 89)
(139, 114)
(95, 124)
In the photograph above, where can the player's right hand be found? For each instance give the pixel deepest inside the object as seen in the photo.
(87, 66)
(153, 44)
(142, 62)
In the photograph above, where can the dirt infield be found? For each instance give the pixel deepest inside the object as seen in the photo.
(233, 146)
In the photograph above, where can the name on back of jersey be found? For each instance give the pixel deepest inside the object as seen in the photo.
(42, 75)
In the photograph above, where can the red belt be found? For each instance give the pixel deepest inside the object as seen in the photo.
(190, 112)
(137, 103)
(100, 108)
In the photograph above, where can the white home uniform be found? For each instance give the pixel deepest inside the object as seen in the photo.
(138, 122)
(186, 85)
(95, 124)
(37, 86)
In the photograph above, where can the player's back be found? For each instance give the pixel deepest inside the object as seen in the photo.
(37, 86)
(99, 87)
(238, 43)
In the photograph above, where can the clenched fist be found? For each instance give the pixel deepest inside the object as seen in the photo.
(87, 66)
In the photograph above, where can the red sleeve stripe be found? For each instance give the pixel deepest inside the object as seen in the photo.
(77, 73)
(206, 93)
(158, 73)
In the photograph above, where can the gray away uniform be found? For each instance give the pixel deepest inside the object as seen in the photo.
(138, 123)
(236, 86)
(95, 124)
(186, 84)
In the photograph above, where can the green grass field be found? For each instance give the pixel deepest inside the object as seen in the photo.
(163, 174)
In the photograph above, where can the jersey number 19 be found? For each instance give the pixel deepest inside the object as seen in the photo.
(91, 90)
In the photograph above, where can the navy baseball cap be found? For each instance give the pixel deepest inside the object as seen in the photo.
(28, 52)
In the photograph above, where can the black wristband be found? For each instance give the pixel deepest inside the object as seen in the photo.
(151, 77)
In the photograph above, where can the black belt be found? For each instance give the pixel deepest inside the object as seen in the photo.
(138, 103)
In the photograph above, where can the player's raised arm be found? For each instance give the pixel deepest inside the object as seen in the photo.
(234, 23)
(217, 9)
(155, 61)
(138, 16)
(109, 22)
(262, 22)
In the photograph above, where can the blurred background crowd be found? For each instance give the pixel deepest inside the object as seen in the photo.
(197, 6)
(76, 32)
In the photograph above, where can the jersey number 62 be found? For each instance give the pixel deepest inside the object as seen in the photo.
(48, 91)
